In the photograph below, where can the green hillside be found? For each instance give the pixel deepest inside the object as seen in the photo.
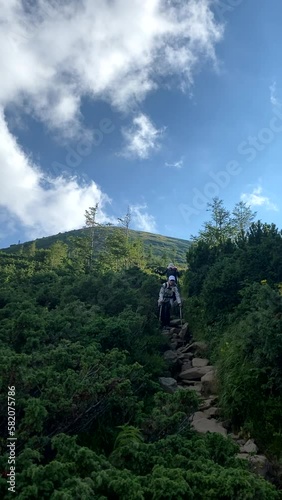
(165, 247)
(96, 401)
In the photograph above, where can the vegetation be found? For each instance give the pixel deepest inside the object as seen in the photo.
(234, 284)
(161, 249)
(81, 345)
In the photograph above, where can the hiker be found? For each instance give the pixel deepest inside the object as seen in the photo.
(168, 295)
(171, 270)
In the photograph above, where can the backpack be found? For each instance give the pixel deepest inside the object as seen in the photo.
(168, 293)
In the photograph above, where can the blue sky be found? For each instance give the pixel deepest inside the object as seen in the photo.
(158, 105)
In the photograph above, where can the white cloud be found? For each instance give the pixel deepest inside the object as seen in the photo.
(59, 52)
(175, 164)
(256, 199)
(142, 220)
(55, 53)
(43, 205)
(142, 138)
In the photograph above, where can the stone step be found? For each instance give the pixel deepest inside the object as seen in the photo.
(204, 425)
(199, 362)
(169, 384)
(195, 373)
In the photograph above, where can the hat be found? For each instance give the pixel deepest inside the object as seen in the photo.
(170, 265)
(171, 278)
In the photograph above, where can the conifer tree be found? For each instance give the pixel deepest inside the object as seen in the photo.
(125, 222)
(243, 216)
(219, 229)
(92, 224)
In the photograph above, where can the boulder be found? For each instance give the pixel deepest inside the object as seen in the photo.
(197, 362)
(186, 365)
(187, 356)
(259, 463)
(209, 383)
(198, 347)
(196, 388)
(192, 385)
(213, 411)
(175, 331)
(180, 350)
(175, 322)
(249, 447)
(185, 349)
(204, 425)
(180, 356)
(169, 384)
(198, 414)
(195, 373)
(170, 356)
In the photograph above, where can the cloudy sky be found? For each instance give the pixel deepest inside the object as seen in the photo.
(155, 104)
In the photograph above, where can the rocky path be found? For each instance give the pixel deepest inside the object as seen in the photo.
(191, 371)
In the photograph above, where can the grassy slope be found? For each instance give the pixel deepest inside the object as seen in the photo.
(173, 248)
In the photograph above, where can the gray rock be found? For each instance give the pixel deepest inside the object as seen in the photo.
(213, 411)
(204, 425)
(209, 383)
(197, 362)
(181, 350)
(198, 346)
(186, 366)
(260, 464)
(175, 322)
(198, 414)
(195, 384)
(197, 388)
(170, 356)
(195, 373)
(188, 356)
(169, 384)
(175, 330)
(206, 404)
(249, 447)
